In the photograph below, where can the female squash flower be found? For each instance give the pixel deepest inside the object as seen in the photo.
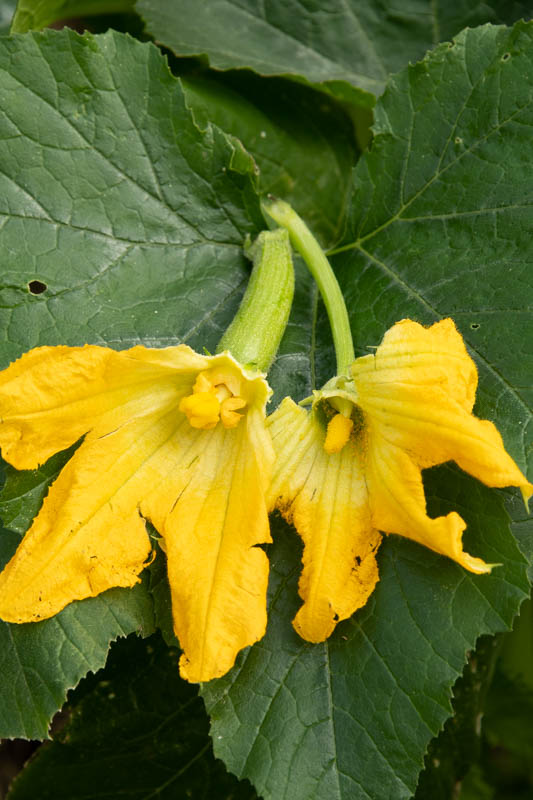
(171, 436)
(351, 468)
(343, 479)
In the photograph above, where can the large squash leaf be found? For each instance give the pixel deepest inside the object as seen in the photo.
(441, 225)
(346, 47)
(122, 222)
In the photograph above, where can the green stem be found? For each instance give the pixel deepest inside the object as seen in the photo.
(255, 333)
(305, 243)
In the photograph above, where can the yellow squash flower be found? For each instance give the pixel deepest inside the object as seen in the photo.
(170, 436)
(351, 468)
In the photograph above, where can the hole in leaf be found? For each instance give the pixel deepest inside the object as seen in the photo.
(474, 326)
(37, 287)
(506, 57)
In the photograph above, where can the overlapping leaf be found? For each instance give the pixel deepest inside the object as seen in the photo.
(136, 731)
(130, 218)
(36, 14)
(346, 718)
(347, 47)
(128, 223)
(441, 225)
(40, 663)
(121, 223)
(442, 217)
(301, 141)
(7, 9)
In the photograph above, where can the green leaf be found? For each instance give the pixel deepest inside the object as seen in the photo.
(442, 217)
(441, 226)
(522, 526)
(40, 662)
(347, 47)
(23, 492)
(129, 217)
(127, 736)
(343, 719)
(122, 222)
(301, 141)
(7, 9)
(36, 14)
(458, 746)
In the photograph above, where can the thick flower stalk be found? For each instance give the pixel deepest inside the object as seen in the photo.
(350, 468)
(170, 436)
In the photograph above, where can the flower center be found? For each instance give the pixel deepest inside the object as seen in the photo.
(212, 400)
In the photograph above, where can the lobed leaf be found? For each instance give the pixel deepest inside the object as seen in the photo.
(40, 662)
(134, 730)
(122, 222)
(346, 718)
(442, 215)
(438, 228)
(348, 48)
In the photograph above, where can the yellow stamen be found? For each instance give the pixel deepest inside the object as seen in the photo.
(212, 400)
(228, 415)
(202, 383)
(202, 409)
(338, 433)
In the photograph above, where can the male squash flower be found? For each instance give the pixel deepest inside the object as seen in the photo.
(351, 468)
(171, 436)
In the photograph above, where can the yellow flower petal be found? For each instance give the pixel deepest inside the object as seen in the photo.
(412, 355)
(417, 391)
(398, 504)
(204, 491)
(325, 496)
(209, 505)
(88, 535)
(52, 396)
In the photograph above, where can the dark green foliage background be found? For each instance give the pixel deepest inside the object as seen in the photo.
(129, 196)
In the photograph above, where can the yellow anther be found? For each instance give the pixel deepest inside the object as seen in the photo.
(228, 415)
(202, 409)
(212, 400)
(338, 433)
